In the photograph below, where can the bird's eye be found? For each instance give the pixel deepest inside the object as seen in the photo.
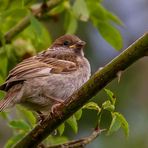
(66, 43)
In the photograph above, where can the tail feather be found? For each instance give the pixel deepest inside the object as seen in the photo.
(7, 102)
(12, 97)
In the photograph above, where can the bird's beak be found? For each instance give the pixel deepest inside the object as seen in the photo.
(79, 44)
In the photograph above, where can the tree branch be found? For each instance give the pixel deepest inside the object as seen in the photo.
(25, 22)
(98, 81)
(80, 143)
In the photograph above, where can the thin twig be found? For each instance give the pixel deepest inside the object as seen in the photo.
(80, 143)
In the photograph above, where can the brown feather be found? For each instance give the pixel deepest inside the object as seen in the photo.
(8, 100)
(31, 67)
(50, 77)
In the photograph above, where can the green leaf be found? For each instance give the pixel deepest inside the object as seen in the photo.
(118, 121)
(115, 124)
(36, 25)
(16, 4)
(3, 4)
(13, 140)
(1, 36)
(92, 106)
(10, 17)
(28, 115)
(78, 114)
(4, 115)
(100, 13)
(40, 37)
(124, 123)
(71, 23)
(114, 18)
(110, 34)
(80, 9)
(1, 79)
(97, 11)
(56, 10)
(17, 12)
(3, 65)
(19, 124)
(2, 93)
(73, 123)
(10, 4)
(101, 19)
(107, 105)
(111, 96)
(29, 2)
(61, 129)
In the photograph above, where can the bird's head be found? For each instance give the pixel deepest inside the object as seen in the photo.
(70, 42)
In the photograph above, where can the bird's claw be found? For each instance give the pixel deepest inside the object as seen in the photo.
(56, 109)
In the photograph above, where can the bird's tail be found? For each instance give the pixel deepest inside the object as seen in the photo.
(6, 102)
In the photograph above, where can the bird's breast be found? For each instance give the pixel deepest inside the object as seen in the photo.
(59, 86)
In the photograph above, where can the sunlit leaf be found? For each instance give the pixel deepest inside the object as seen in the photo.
(73, 123)
(4, 115)
(36, 25)
(2, 94)
(110, 34)
(118, 121)
(61, 129)
(124, 123)
(3, 4)
(56, 10)
(80, 9)
(40, 36)
(28, 2)
(71, 22)
(92, 106)
(111, 96)
(17, 12)
(115, 124)
(114, 18)
(19, 124)
(101, 19)
(97, 11)
(1, 36)
(1, 79)
(28, 115)
(10, 17)
(13, 140)
(3, 65)
(16, 4)
(107, 105)
(78, 114)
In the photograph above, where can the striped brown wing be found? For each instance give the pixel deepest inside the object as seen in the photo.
(34, 67)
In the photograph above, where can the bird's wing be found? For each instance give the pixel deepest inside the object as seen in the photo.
(34, 67)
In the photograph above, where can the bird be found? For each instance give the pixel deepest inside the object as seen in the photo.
(47, 79)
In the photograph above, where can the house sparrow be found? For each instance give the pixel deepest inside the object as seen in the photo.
(42, 81)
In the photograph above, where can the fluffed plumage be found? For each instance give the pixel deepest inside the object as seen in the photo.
(48, 78)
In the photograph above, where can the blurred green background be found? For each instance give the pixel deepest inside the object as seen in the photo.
(131, 91)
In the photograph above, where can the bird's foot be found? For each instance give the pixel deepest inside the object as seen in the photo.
(41, 117)
(56, 108)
